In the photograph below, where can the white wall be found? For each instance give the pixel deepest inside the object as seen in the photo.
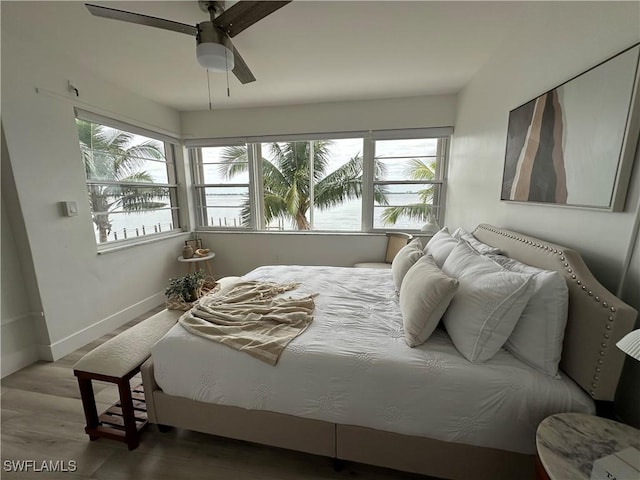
(22, 325)
(17, 322)
(553, 44)
(392, 113)
(239, 253)
(83, 294)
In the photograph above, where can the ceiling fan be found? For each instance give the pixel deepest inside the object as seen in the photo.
(214, 49)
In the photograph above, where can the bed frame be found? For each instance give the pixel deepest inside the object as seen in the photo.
(596, 321)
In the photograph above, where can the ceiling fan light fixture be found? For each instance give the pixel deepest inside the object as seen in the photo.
(215, 57)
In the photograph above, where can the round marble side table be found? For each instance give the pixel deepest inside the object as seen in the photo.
(569, 443)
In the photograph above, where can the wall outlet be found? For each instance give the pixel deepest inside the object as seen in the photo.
(69, 209)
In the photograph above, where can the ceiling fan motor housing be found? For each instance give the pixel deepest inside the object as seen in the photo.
(214, 50)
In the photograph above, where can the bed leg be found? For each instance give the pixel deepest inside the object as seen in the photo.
(164, 428)
(338, 465)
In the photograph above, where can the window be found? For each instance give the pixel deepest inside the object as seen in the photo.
(408, 179)
(221, 182)
(330, 202)
(371, 181)
(131, 182)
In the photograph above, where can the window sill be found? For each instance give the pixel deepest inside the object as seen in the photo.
(415, 233)
(135, 243)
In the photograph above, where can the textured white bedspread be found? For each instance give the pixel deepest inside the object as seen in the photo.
(353, 366)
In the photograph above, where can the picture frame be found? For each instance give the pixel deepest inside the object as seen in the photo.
(574, 145)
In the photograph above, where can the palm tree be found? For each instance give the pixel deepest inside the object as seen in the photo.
(286, 185)
(415, 170)
(111, 157)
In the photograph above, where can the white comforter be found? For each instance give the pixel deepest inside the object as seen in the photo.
(353, 366)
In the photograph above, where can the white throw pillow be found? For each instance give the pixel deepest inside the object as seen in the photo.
(480, 247)
(487, 306)
(440, 246)
(537, 337)
(404, 260)
(425, 294)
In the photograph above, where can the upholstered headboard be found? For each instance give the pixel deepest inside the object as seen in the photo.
(597, 319)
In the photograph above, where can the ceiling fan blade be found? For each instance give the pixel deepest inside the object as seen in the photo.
(243, 14)
(140, 19)
(241, 70)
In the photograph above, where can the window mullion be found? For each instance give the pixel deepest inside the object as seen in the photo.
(170, 166)
(256, 189)
(199, 194)
(443, 151)
(368, 168)
(311, 184)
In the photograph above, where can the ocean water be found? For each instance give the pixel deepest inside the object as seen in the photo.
(345, 217)
(130, 225)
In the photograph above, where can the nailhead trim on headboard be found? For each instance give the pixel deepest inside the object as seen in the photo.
(571, 276)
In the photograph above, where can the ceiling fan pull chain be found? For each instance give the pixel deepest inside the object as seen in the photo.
(209, 89)
(226, 64)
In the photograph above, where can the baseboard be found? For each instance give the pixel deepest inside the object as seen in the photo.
(88, 334)
(12, 362)
(18, 318)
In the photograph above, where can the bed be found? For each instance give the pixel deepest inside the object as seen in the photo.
(350, 388)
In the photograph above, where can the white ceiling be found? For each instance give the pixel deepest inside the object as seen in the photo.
(306, 52)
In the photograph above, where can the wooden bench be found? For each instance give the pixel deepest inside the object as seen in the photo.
(117, 361)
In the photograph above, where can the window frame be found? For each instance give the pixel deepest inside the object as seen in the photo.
(369, 138)
(199, 187)
(442, 154)
(172, 185)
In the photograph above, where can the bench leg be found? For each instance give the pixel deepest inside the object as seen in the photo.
(89, 405)
(128, 414)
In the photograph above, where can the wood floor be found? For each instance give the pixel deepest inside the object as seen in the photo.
(43, 421)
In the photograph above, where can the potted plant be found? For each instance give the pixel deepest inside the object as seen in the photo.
(186, 288)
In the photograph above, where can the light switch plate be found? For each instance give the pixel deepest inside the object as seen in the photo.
(69, 209)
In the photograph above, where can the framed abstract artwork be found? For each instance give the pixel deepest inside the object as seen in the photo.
(574, 145)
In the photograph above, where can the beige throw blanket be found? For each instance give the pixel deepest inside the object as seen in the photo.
(248, 318)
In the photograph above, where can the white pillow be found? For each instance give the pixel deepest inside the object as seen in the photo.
(480, 247)
(537, 337)
(440, 246)
(425, 294)
(404, 260)
(487, 306)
